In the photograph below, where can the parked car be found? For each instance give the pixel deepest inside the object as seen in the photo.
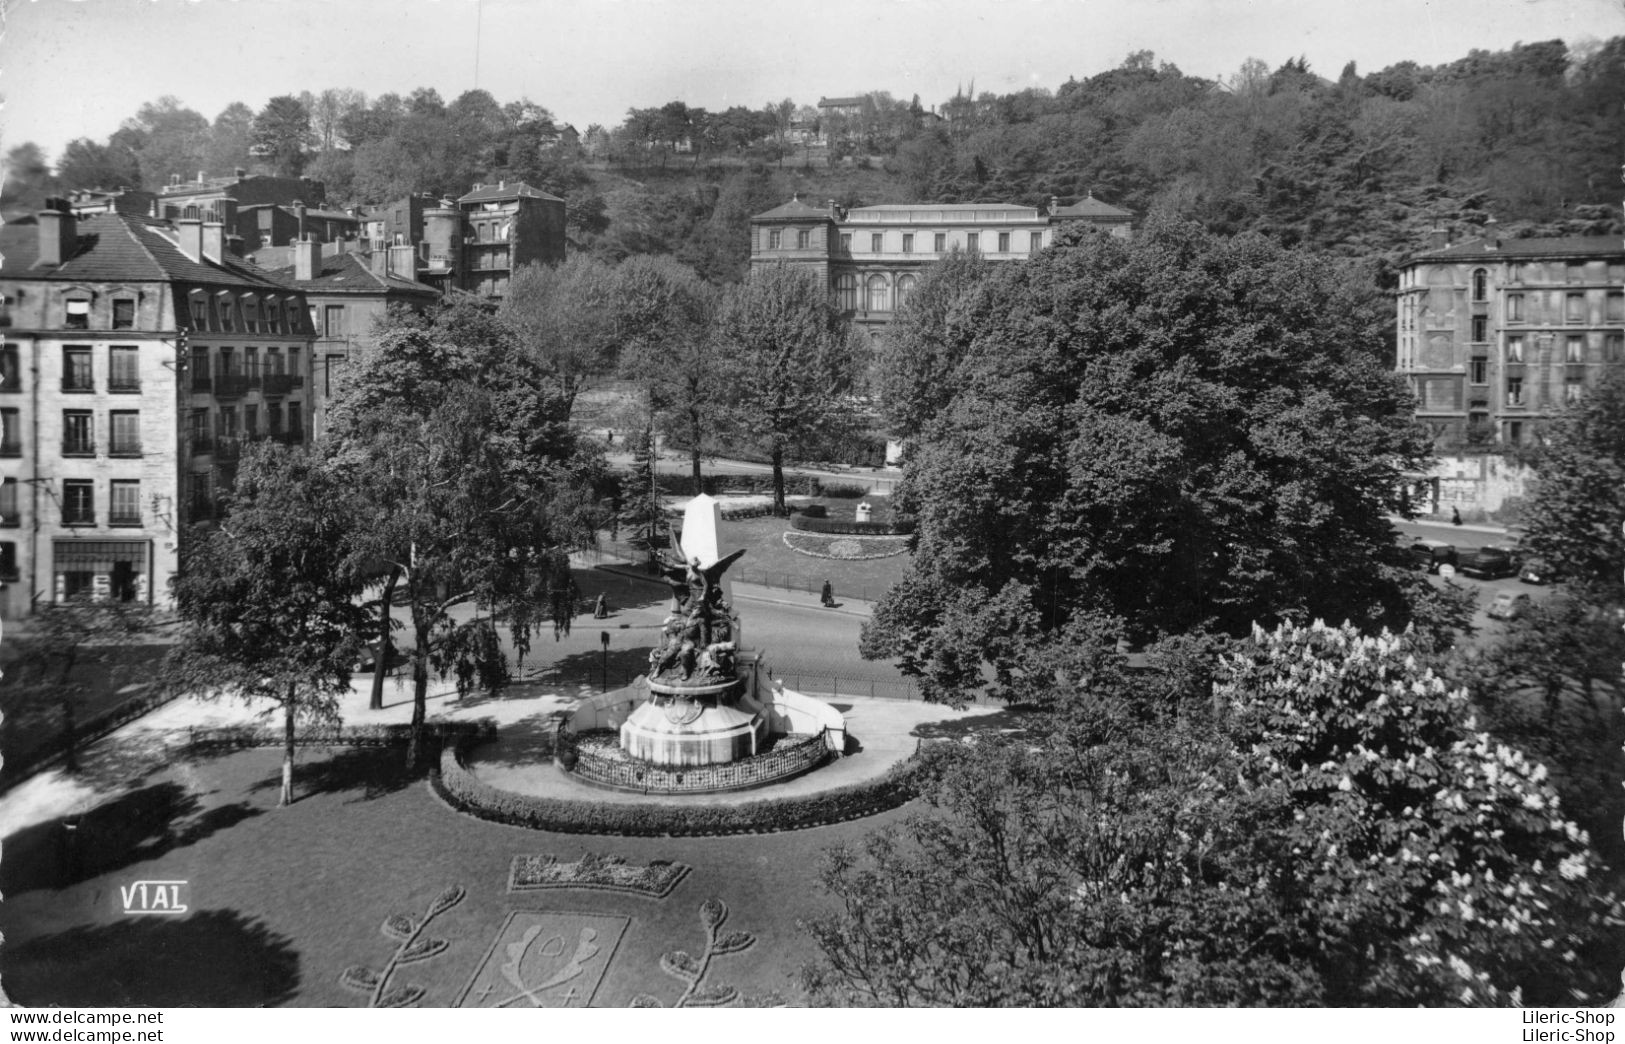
(1537, 571)
(1509, 605)
(1489, 563)
(1431, 554)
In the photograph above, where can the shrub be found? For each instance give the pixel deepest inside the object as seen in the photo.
(466, 792)
(815, 511)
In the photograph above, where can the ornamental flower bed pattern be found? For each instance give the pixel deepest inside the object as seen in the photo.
(847, 548)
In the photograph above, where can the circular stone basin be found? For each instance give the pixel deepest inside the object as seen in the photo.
(601, 759)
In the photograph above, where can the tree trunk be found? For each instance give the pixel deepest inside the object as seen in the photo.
(420, 699)
(287, 749)
(778, 479)
(70, 755)
(385, 644)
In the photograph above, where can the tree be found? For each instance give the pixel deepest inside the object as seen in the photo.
(85, 164)
(475, 491)
(1323, 827)
(642, 511)
(1180, 431)
(1578, 506)
(267, 600)
(562, 316)
(921, 348)
(791, 360)
(231, 137)
(282, 132)
(27, 179)
(663, 315)
(48, 662)
(169, 139)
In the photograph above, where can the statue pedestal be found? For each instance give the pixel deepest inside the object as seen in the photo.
(683, 726)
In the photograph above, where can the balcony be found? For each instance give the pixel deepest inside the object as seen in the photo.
(78, 385)
(277, 384)
(231, 386)
(202, 444)
(202, 383)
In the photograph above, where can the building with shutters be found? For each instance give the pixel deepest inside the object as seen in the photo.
(138, 358)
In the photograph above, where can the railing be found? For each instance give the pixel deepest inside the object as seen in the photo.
(231, 386)
(278, 384)
(124, 384)
(70, 384)
(78, 448)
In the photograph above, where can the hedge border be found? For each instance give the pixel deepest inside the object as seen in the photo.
(240, 737)
(838, 527)
(465, 792)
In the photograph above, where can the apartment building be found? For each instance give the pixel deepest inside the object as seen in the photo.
(1498, 335)
(137, 357)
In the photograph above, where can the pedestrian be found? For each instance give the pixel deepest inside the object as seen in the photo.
(1455, 516)
(829, 594)
(601, 610)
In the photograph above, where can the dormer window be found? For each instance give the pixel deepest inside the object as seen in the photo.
(198, 305)
(227, 320)
(251, 315)
(123, 314)
(293, 317)
(78, 315)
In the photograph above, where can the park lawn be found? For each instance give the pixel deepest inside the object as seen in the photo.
(283, 901)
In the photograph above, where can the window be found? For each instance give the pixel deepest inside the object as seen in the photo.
(1481, 285)
(773, 238)
(8, 560)
(227, 428)
(123, 564)
(314, 324)
(295, 370)
(251, 363)
(1480, 371)
(273, 418)
(1035, 242)
(1515, 272)
(1514, 308)
(1613, 347)
(939, 242)
(1575, 272)
(1481, 328)
(1515, 348)
(270, 314)
(1004, 242)
(124, 504)
(874, 242)
(1574, 348)
(11, 368)
(846, 242)
(972, 241)
(228, 363)
(334, 368)
(1573, 388)
(11, 441)
(1574, 308)
(123, 314)
(273, 362)
(803, 239)
(226, 320)
(293, 306)
(200, 313)
(8, 503)
(251, 315)
(78, 316)
(908, 242)
(123, 369)
(76, 370)
(1514, 391)
(1615, 308)
(296, 428)
(905, 288)
(78, 433)
(251, 421)
(1515, 433)
(124, 433)
(78, 502)
(846, 293)
(335, 321)
(878, 300)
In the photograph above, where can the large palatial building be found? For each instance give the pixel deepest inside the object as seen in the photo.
(1497, 335)
(872, 256)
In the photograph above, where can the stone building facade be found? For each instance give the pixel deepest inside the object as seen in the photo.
(137, 358)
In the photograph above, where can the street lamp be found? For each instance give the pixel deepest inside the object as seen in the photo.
(603, 637)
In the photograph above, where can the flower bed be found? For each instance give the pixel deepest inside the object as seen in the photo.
(238, 736)
(464, 791)
(896, 527)
(846, 548)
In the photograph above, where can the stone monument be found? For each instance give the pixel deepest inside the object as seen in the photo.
(701, 708)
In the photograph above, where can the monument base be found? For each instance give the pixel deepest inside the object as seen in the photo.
(681, 733)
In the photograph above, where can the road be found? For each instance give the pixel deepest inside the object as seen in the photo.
(1465, 537)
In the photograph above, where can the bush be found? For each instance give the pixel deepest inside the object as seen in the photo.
(466, 792)
(814, 511)
(239, 736)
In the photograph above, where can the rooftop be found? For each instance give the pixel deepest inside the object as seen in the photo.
(348, 273)
(941, 213)
(121, 247)
(1564, 246)
(490, 193)
(1094, 208)
(794, 210)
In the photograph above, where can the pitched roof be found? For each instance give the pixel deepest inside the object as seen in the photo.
(1092, 207)
(487, 193)
(1564, 246)
(348, 273)
(121, 248)
(792, 211)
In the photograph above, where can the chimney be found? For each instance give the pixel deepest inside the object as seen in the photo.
(214, 240)
(190, 237)
(58, 232)
(307, 260)
(239, 172)
(234, 245)
(403, 262)
(299, 216)
(1054, 204)
(226, 208)
(1438, 238)
(378, 262)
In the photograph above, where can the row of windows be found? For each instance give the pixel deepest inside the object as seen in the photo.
(1479, 280)
(877, 295)
(230, 422)
(220, 313)
(1573, 390)
(76, 313)
(78, 433)
(78, 369)
(939, 241)
(77, 500)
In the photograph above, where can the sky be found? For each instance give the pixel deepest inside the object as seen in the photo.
(78, 68)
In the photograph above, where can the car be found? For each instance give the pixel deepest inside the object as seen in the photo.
(1489, 563)
(1509, 605)
(1431, 554)
(1537, 571)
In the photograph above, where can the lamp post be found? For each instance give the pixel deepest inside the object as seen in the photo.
(603, 637)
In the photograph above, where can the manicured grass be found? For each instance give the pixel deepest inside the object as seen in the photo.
(283, 901)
